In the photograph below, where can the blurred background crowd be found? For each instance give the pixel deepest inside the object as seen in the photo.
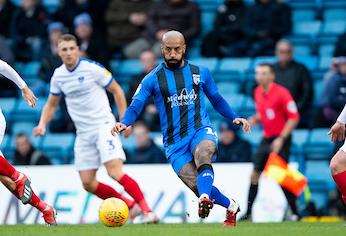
(304, 39)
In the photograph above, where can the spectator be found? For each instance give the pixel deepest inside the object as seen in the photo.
(340, 46)
(296, 78)
(181, 15)
(26, 154)
(91, 46)
(231, 147)
(50, 59)
(6, 53)
(126, 24)
(146, 150)
(7, 10)
(150, 115)
(227, 39)
(29, 29)
(267, 21)
(335, 91)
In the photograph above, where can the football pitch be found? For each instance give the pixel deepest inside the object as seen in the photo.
(248, 229)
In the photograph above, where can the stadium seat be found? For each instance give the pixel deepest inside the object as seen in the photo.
(5, 142)
(157, 137)
(333, 27)
(302, 50)
(254, 137)
(239, 65)
(23, 112)
(318, 92)
(259, 60)
(334, 14)
(248, 108)
(22, 127)
(325, 63)
(309, 61)
(228, 87)
(209, 63)
(310, 28)
(28, 70)
(207, 21)
(129, 67)
(303, 15)
(59, 146)
(326, 50)
(299, 138)
(236, 101)
(318, 147)
(7, 106)
(51, 5)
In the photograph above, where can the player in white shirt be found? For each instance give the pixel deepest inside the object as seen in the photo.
(338, 162)
(84, 84)
(17, 182)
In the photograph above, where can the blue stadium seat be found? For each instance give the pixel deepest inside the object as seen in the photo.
(28, 70)
(7, 106)
(23, 112)
(238, 65)
(128, 143)
(210, 63)
(157, 137)
(58, 146)
(318, 147)
(302, 50)
(235, 100)
(300, 15)
(334, 27)
(309, 61)
(259, 60)
(228, 87)
(248, 108)
(129, 67)
(311, 28)
(5, 142)
(325, 63)
(334, 14)
(254, 137)
(207, 21)
(334, 3)
(299, 138)
(22, 127)
(209, 5)
(51, 5)
(318, 92)
(326, 50)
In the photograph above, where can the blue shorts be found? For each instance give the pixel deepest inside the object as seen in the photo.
(182, 153)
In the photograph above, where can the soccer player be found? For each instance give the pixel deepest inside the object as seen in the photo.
(190, 142)
(278, 114)
(17, 182)
(83, 84)
(338, 162)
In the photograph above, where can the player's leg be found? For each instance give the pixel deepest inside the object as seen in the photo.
(259, 159)
(112, 156)
(338, 170)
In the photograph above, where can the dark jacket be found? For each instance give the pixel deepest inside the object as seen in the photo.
(269, 20)
(149, 154)
(120, 30)
(6, 15)
(335, 92)
(184, 17)
(34, 157)
(49, 62)
(296, 78)
(230, 21)
(237, 151)
(96, 50)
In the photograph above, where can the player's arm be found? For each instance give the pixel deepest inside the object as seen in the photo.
(7, 71)
(119, 97)
(47, 114)
(290, 125)
(337, 131)
(220, 104)
(139, 99)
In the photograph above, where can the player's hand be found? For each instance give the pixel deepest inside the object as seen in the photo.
(39, 130)
(244, 123)
(127, 132)
(29, 96)
(337, 132)
(118, 128)
(277, 144)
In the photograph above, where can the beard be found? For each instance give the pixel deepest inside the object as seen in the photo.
(174, 63)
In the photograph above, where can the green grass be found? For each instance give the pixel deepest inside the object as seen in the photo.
(277, 229)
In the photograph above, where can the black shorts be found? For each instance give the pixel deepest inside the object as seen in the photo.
(260, 157)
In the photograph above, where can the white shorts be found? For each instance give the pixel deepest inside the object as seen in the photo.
(2, 128)
(96, 147)
(343, 147)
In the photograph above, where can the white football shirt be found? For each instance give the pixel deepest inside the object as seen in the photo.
(85, 94)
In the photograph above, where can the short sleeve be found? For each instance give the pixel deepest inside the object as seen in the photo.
(55, 89)
(102, 76)
(290, 105)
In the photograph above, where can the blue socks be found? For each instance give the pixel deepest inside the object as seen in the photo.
(219, 198)
(205, 179)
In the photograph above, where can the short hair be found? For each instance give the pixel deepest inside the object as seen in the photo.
(269, 65)
(67, 37)
(22, 135)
